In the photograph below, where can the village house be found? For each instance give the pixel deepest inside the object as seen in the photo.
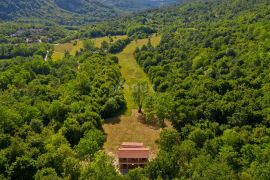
(132, 155)
(32, 40)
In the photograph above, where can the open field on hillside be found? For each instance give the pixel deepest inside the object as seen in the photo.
(59, 49)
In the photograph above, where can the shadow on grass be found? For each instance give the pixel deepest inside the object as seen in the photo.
(116, 118)
(113, 120)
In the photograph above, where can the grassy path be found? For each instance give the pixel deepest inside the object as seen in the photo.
(131, 71)
(128, 127)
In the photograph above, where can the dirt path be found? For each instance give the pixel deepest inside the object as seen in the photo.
(128, 126)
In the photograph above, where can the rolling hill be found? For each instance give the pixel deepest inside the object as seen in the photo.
(72, 11)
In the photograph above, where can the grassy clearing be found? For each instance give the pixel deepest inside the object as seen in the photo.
(131, 71)
(59, 49)
(98, 41)
(128, 127)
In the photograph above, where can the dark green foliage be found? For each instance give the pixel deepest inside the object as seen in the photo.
(140, 31)
(118, 46)
(101, 168)
(213, 62)
(159, 107)
(23, 168)
(90, 143)
(203, 153)
(71, 168)
(135, 174)
(211, 66)
(51, 113)
(36, 125)
(10, 51)
(168, 139)
(88, 44)
(140, 91)
(46, 173)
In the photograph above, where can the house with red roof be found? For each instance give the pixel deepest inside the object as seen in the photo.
(132, 155)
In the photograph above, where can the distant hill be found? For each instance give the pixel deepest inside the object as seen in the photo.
(59, 11)
(134, 5)
(72, 11)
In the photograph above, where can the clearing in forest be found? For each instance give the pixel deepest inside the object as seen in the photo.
(128, 126)
(131, 70)
(72, 47)
(98, 41)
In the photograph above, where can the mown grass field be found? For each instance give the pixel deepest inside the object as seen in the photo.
(128, 126)
(131, 71)
(129, 129)
(59, 49)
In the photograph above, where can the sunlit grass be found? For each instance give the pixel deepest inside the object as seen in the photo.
(98, 41)
(59, 49)
(128, 126)
(129, 129)
(131, 71)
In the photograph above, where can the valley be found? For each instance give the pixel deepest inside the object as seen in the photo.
(134, 89)
(73, 12)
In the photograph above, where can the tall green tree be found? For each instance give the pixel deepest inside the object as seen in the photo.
(139, 93)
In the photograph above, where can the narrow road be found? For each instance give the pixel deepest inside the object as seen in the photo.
(46, 57)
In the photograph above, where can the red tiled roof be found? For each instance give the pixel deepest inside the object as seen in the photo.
(133, 152)
(131, 145)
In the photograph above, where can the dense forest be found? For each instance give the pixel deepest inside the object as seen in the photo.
(210, 74)
(214, 69)
(51, 113)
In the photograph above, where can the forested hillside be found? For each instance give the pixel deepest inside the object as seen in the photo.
(72, 12)
(62, 12)
(139, 5)
(213, 67)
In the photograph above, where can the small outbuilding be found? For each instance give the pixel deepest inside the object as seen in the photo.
(132, 155)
